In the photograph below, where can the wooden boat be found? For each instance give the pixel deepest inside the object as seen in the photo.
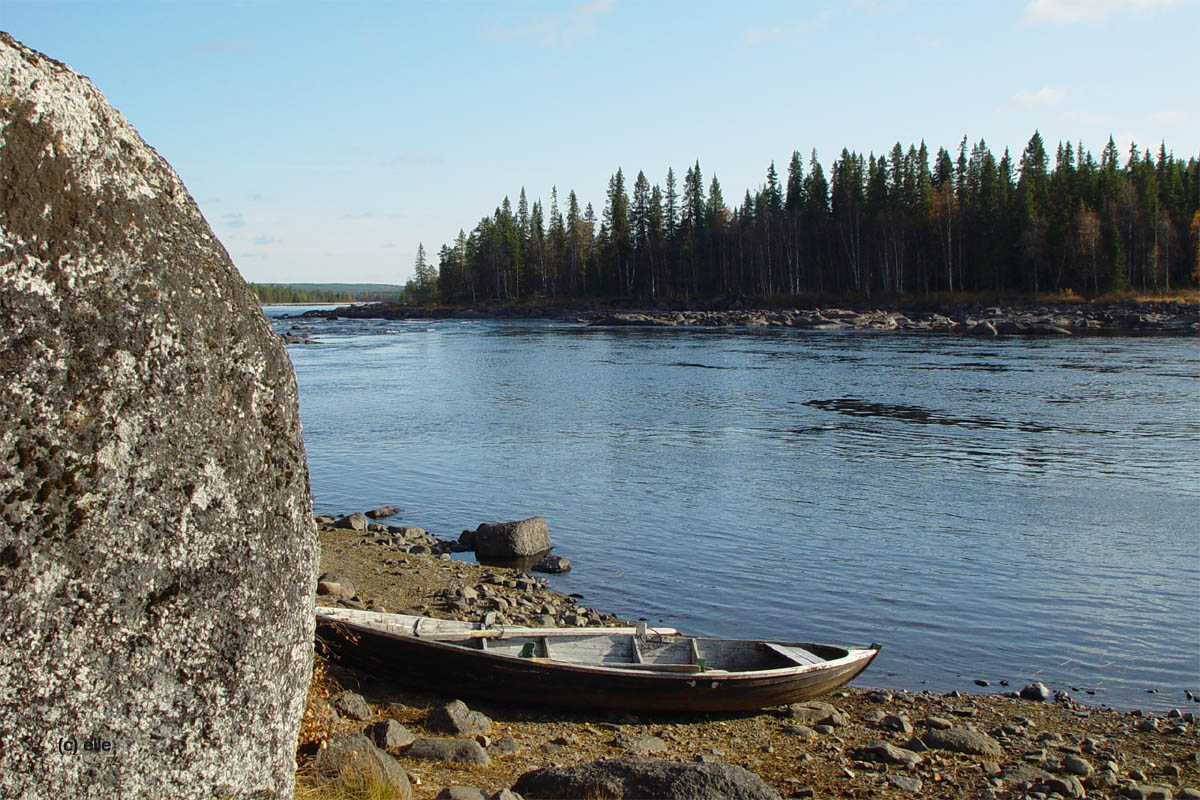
(635, 669)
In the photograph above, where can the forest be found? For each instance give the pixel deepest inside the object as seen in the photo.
(268, 293)
(899, 223)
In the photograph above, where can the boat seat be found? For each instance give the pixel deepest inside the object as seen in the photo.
(545, 640)
(796, 654)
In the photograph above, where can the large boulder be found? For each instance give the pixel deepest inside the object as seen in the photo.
(157, 550)
(508, 540)
(645, 777)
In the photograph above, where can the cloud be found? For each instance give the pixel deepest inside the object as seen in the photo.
(1042, 98)
(216, 47)
(1173, 117)
(782, 31)
(263, 241)
(365, 216)
(1088, 11)
(555, 31)
(252, 254)
(234, 219)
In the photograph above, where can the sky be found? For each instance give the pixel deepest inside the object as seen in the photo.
(324, 141)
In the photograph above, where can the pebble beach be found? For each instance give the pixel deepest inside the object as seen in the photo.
(857, 742)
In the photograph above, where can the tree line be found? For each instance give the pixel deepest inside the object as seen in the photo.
(269, 293)
(896, 223)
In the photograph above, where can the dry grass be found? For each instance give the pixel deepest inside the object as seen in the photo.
(349, 785)
(314, 723)
(316, 726)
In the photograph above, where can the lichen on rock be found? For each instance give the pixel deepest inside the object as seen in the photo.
(157, 552)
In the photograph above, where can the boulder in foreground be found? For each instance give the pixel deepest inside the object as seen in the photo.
(157, 550)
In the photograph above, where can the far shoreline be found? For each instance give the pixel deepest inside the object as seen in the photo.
(985, 316)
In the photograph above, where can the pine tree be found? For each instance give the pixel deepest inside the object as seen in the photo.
(425, 274)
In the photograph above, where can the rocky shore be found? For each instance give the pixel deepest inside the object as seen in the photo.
(1016, 319)
(857, 742)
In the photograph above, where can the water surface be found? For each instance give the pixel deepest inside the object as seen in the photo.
(1012, 509)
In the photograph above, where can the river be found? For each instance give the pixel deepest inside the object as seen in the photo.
(1014, 509)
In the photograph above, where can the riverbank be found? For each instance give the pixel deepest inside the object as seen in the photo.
(1166, 317)
(1009, 747)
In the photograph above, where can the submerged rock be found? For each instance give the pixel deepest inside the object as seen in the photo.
(157, 548)
(383, 512)
(554, 565)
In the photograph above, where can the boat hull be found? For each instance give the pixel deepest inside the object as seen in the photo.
(462, 671)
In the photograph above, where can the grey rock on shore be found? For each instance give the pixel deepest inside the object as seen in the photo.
(354, 753)
(510, 540)
(643, 777)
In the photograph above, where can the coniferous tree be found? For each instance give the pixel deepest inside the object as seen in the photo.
(892, 222)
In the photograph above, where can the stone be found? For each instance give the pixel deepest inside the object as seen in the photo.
(874, 716)
(157, 548)
(963, 740)
(459, 751)
(813, 712)
(456, 718)
(643, 777)
(1150, 792)
(383, 512)
(1036, 692)
(506, 794)
(389, 734)
(554, 565)
(1065, 785)
(408, 532)
(888, 754)
(800, 731)
(347, 754)
(1024, 773)
(329, 588)
(504, 746)
(350, 705)
(905, 783)
(344, 588)
(639, 745)
(898, 724)
(1074, 765)
(509, 540)
(462, 793)
(354, 522)
(937, 723)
